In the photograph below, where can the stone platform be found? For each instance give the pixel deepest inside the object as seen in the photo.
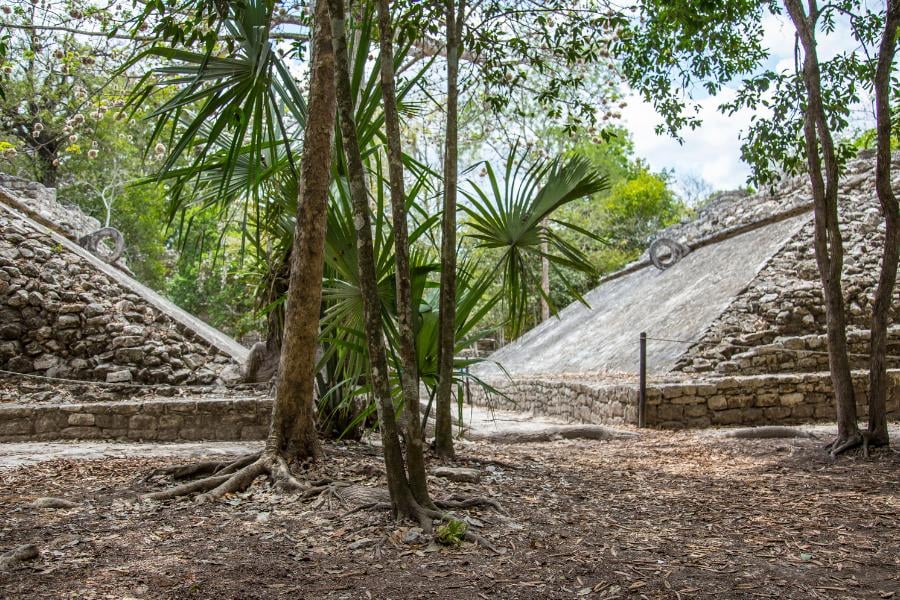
(207, 418)
(774, 399)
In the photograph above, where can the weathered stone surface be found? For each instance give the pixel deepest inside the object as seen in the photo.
(459, 474)
(58, 306)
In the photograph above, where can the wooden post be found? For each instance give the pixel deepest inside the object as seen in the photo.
(642, 393)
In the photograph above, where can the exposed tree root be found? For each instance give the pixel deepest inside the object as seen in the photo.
(368, 498)
(859, 439)
(222, 478)
(767, 432)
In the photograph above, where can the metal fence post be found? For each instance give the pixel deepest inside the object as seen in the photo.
(642, 393)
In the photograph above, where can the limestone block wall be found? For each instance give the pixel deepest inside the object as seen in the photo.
(61, 317)
(785, 299)
(757, 400)
(742, 400)
(168, 420)
(574, 401)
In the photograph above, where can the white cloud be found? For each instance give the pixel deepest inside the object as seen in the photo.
(713, 150)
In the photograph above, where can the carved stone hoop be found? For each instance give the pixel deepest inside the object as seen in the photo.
(665, 252)
(92, 242)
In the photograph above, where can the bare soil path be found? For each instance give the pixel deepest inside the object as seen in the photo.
(662, 515)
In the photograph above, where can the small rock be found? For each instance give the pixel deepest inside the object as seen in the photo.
(413, 536)
(363, 543)
(118, 376)
(51, 502)
(459, 474)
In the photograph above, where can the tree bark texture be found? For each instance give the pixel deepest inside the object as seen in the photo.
(828, 243)
(293, 430)
(884, 292)
(409, 376)
(398, 485)
(443, 429)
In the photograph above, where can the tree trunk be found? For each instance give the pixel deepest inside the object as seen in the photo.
(884, 293)
(828, 243)
(443, 428)
(409, 376)
(545, 281)
(398, 485)
(293, 430)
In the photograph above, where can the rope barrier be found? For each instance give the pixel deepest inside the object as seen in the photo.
(797, 350)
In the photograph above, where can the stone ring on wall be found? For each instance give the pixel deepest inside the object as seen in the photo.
(665, 252)
(108, 252)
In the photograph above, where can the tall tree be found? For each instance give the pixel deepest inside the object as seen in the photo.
(402, 499)
(887, 279)
(824, 172)
(292, 433)
(415, 456)
(443, 430)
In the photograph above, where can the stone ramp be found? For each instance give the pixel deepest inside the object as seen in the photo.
(209, 334)
(678, 303)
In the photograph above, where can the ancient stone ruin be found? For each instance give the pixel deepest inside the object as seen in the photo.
(66, 314)
(735, 328)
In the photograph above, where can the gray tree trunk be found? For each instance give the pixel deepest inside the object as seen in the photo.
(828, 243)
(409, 375)
(884, 293)
(398, 485)
(443, 428)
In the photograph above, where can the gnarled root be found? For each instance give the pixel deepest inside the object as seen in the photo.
(229, 477)
(843, 444)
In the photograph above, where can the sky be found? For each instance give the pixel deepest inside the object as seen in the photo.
(713, 150)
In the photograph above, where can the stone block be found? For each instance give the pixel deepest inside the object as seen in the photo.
(81, 433)
(717, 402)
(81, 419)
(764, 400)
(698, 422)
(46, 422)
(170, 421)
(669, 412)
(731, 416)
(254, 432)
(777, 413)
(142, 422)
(68, 321)
(122, 376)
(802, 411)
(695, 410)
(129, 355)
(15, 427)
(792, 399)
(111, 421)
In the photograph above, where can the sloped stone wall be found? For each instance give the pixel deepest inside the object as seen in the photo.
(785, 299)
(61, 317)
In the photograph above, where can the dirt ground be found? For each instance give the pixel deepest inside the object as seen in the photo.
(664, 515)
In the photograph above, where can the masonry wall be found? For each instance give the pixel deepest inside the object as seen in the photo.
(161, 420)
(785, 299)
(61, 317)
(744, 400)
